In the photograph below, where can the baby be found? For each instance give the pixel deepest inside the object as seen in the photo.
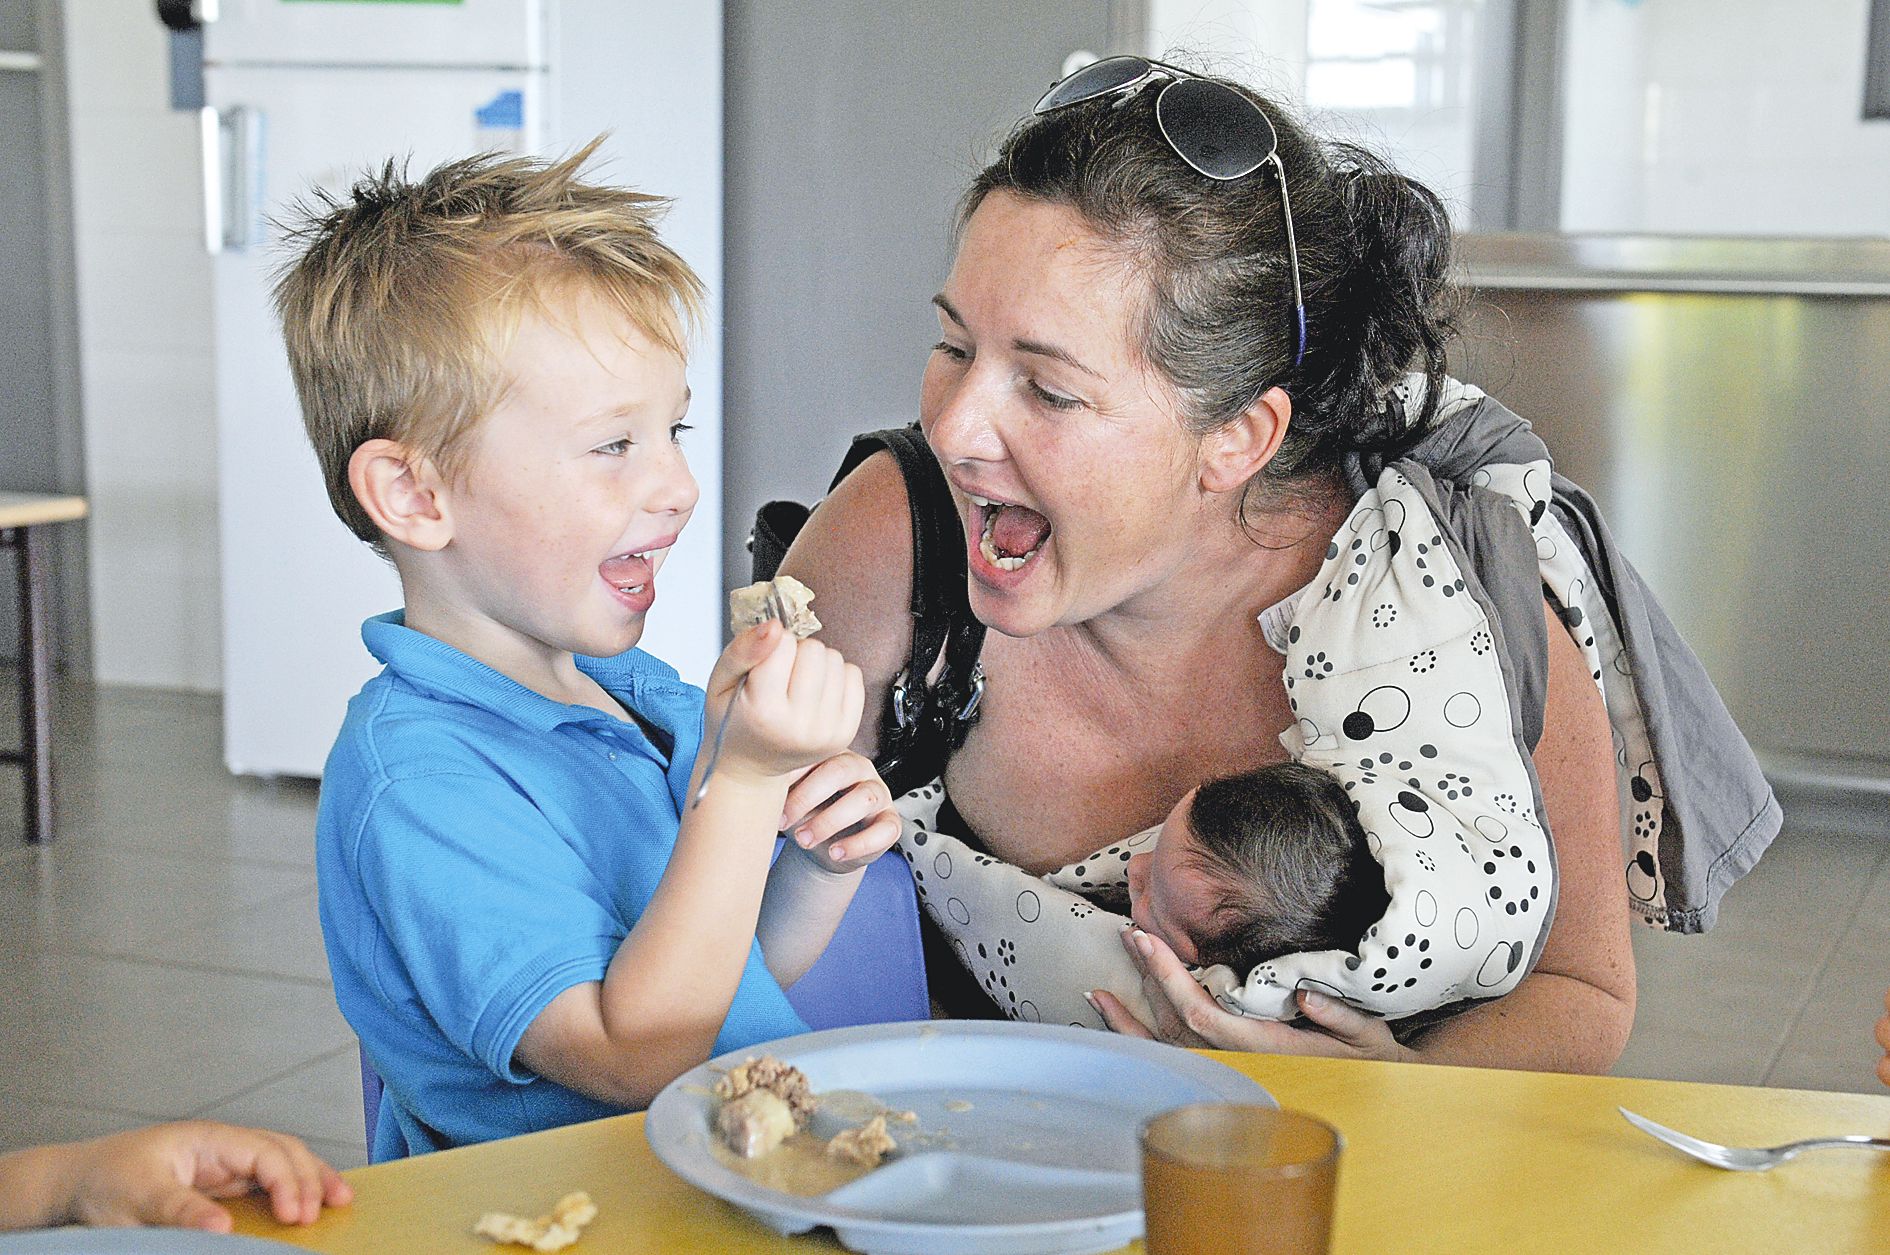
(1257, 865)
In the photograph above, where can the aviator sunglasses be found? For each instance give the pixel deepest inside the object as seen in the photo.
(1212, 127)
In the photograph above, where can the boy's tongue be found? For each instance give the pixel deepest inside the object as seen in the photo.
(624, 570)
(1016, 531)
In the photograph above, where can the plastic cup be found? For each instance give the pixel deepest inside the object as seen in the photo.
(1234, 1179)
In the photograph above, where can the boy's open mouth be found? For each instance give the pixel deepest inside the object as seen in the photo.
(631, 574)
(1011, 534)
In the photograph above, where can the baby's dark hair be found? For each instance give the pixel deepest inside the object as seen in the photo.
(1287, 841)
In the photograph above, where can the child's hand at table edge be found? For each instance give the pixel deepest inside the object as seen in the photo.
(169, 1174)
(841, 813)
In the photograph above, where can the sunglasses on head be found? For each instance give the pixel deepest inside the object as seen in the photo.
(1212, 127)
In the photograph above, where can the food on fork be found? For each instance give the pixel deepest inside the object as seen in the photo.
(553, 1231)
(866, 1145)
(757, 603)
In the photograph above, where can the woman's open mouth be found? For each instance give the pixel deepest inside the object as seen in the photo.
(1011, 535)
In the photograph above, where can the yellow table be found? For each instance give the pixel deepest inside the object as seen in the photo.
(1436, 1159)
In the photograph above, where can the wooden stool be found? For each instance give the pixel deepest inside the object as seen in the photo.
(21, 513)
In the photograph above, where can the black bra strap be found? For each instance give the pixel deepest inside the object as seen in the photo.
(923, 723)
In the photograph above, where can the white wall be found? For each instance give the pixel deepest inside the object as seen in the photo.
(650, 73)
(1721, 117)
(145, 353)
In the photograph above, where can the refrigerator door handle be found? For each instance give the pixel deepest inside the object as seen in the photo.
(232, 177)
(210, 137)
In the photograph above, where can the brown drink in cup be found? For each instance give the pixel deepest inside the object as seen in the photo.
(1232, 1179)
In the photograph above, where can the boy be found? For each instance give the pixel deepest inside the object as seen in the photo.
(529, 920)
(1257, 865)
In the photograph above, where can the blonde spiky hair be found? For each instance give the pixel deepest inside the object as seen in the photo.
(398, 304)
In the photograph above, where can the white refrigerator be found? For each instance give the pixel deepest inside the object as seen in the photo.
(304, 94)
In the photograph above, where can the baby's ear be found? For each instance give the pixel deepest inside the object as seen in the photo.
(1233, 454)
(403, 492)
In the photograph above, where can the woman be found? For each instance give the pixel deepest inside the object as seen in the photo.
(1149, 373)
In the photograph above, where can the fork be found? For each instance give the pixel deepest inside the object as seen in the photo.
(778, 610)
(1744, 1158)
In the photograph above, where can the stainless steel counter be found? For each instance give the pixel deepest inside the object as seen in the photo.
(1728, 403)
(1641, 263)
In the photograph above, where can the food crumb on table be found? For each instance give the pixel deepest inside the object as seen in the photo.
(553, 1231)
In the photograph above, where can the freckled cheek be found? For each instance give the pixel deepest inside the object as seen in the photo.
(1146, 528)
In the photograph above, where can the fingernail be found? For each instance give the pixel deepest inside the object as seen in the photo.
(1089, 996)
(804, 837)
(1143, 943)
(839, 854)
(1312, 998)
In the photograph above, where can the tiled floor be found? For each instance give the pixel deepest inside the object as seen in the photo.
(163, 959)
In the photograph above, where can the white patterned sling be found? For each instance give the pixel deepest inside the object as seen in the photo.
(1403, 687)
(1393, 674)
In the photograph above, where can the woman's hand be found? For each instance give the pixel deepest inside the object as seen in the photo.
(841, 813)
(1187, 1015)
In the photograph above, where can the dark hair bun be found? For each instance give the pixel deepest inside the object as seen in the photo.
(1391, 311)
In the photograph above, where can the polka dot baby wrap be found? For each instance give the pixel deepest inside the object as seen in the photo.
(1394, 669)
(1036, 943)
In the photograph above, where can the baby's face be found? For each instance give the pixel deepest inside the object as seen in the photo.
(1170, 895)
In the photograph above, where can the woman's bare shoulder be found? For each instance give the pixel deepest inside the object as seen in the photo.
(855, 552)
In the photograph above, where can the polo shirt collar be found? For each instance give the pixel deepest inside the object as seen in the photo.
(434, 665)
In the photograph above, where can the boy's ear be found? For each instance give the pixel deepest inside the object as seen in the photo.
(1235, 453)
(402, 491)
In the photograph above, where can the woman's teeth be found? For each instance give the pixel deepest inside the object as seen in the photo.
(996, 559)
(986, 546)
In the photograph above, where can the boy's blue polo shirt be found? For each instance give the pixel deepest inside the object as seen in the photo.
(481, 849)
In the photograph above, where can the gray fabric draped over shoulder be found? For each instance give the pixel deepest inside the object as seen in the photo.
(1717, 813)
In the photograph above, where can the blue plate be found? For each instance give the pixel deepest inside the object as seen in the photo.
(1026, 1138)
